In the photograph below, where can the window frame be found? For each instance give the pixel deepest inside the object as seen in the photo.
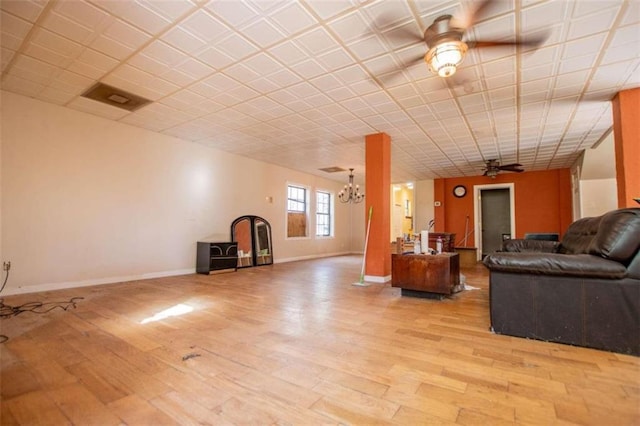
(330, 214)
(306, 204)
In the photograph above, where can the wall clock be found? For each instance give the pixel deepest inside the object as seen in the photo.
(460, 191)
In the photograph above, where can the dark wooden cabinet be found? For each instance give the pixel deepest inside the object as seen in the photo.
(448, 241)
(439, 274)
(216, 256)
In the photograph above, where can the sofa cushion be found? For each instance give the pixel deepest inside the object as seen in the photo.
(579, 236)
(524, 246)
(578, 265)
(618, 236)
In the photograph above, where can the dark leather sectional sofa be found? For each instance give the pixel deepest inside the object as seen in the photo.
(583, 290)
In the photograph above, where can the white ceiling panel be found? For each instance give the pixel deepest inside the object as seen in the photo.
(300, 83)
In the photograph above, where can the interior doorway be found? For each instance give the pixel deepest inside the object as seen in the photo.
(494, 216)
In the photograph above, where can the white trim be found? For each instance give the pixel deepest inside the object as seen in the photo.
(377, 279)
(477, 216)
(96, 281)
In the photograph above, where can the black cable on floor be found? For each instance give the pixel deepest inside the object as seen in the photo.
(7, 311)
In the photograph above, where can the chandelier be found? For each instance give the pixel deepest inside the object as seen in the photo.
(349, 194)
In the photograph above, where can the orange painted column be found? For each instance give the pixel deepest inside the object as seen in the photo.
(378, 196)
(626, 132)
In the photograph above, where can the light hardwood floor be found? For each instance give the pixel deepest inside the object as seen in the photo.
(296, 343)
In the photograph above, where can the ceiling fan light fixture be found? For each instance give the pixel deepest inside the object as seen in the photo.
(444, 58)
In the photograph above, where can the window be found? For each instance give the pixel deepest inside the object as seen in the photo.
(323, 214)
(296, 211)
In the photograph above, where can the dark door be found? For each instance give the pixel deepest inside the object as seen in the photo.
(496, 218)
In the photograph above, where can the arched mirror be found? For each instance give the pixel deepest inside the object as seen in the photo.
(253, 235)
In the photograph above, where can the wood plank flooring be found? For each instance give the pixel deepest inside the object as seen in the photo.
(295, 343)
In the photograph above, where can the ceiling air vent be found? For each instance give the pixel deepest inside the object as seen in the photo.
(115, 97)
(333, 169)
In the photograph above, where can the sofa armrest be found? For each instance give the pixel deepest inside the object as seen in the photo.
(572, 265)
(531, 246)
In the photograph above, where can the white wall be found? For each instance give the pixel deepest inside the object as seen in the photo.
(424, 209)
(87, 200)
(598, 196)
(596, 170)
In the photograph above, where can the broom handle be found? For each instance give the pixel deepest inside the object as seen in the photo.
(366, 243)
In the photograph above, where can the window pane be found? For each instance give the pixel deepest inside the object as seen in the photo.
(297, 211)
(323, 214)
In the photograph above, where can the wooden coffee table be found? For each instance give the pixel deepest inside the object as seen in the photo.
(425, 275)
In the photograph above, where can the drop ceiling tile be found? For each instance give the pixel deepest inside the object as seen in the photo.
(583, 46)
(262, 64)
(308, 69)
(71, 82)
(340, 94)
(600, 21)
(316, 42)
(351, 27)
(141, 16)
(204, 26)
(194, 69)
(368, 48)
(17, 84)
(283, 78)
(335, 59)
(243, 93)
(9, 41)
(25, 9)
(292, 18)
(544, 15)
(263, 85)
(183, 40)
(262, 32)
(148, 64)
(56, 96)
(132, 74)
(68, 28)
(48, 56)
(328, 9)
(161, 86)
(214, 58)
(236, 46)
(178, 77)
(164, 53)
(577, 63)
(34, 69)
(56, 43)
(13, 26)
(111, 47)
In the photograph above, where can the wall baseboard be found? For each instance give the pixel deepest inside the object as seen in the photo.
(113, 280)
(97, 281)
(312, 256)
(377, 279)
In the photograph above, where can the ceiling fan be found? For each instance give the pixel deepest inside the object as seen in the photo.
(493, 167)
(446, 47)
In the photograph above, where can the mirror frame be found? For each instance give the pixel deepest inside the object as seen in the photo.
(257, 259)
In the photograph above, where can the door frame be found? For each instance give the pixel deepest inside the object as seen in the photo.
(477, 214)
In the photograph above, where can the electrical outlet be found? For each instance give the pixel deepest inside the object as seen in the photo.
(6, 266)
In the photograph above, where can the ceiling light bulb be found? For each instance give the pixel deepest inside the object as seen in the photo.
(445, 57)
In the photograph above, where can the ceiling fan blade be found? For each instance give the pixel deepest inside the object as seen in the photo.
(512, 168)
(473, 14)
(530, 42)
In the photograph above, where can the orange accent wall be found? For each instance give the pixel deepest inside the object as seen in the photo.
(626, 131)
(542, 202)
(378, 195)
